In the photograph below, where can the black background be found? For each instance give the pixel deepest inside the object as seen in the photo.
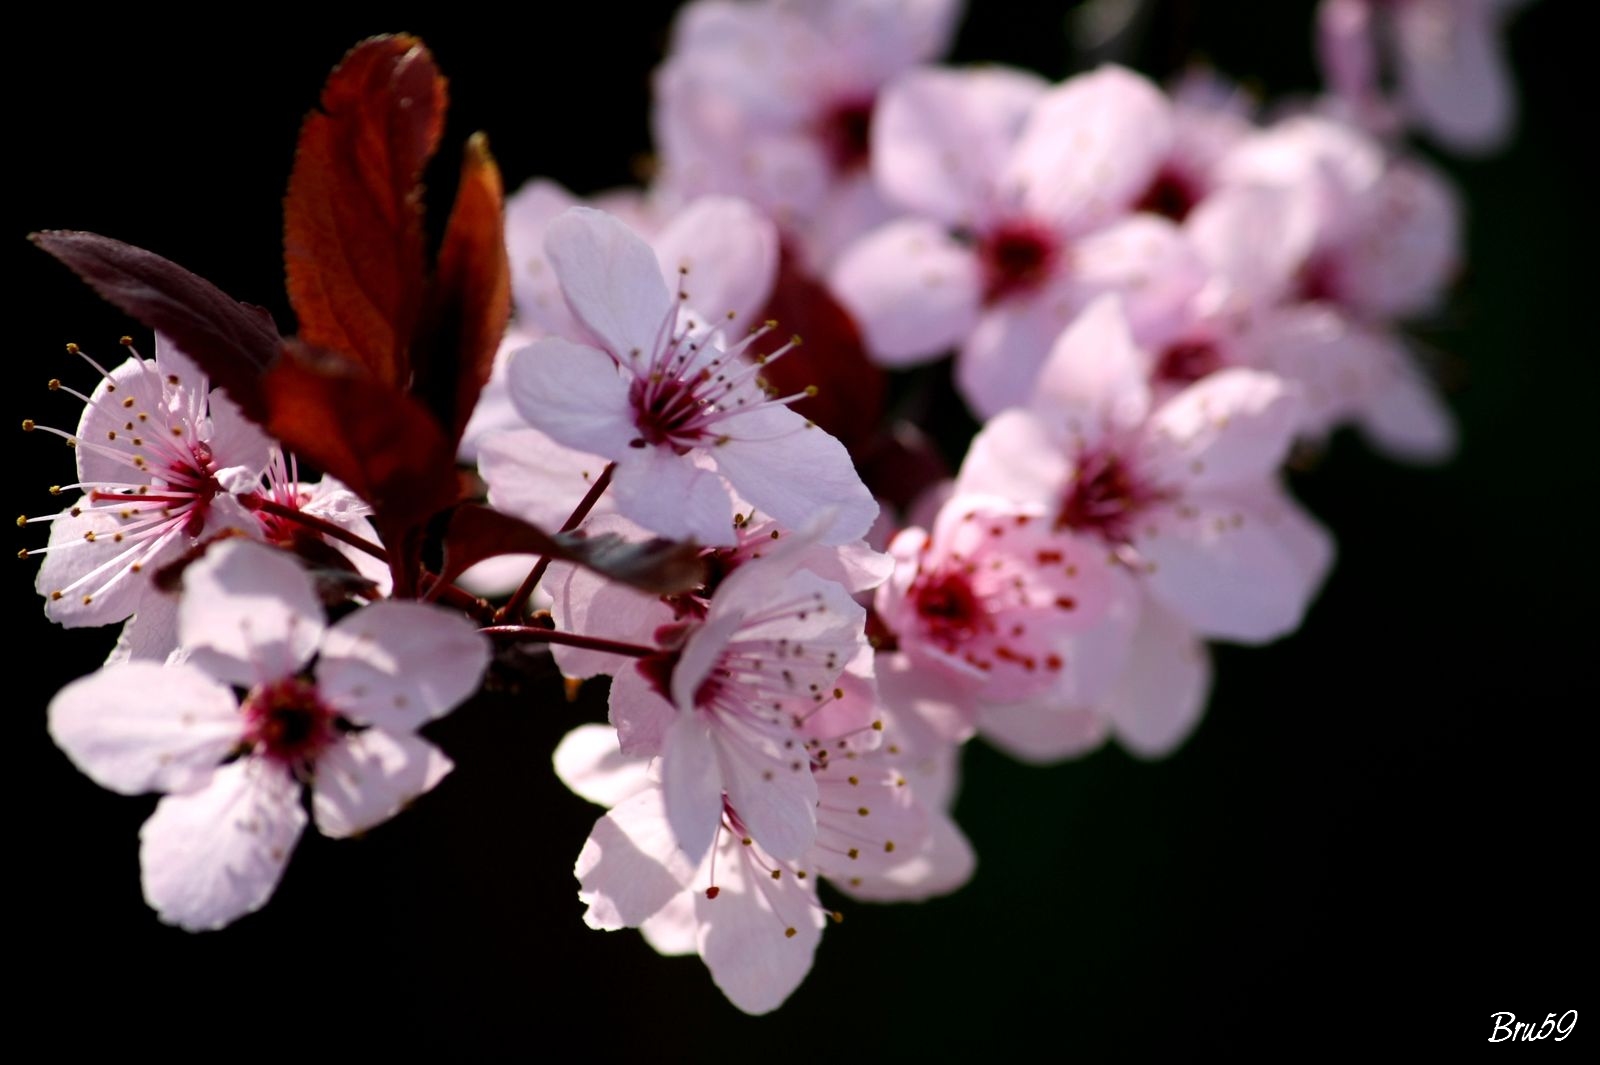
(1376, 833)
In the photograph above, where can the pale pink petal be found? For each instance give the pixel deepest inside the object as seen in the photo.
(1453, 74)
(691, 784)
(1231, 427)
(239, 449)
(1407, 417)
(399, 665)
(151, 635)
(1221, 567)
(674, 929)
(853, 208)
(912, 288)
(574, 394)
(1253, 239)
(744, 930)
(589, 762)
(1406, 248)
(1091, 148)
(1095, 381)
(495, 413)
(940, 138)
(669, 494)
(534, 287)
(1163, 692)
(792, 471)
(1043, 734)
(585, 602)
(1148, 262)
(141, 727)
(1015, 457)
(727, 253)
(639, 713)
(779, 812)
(1345, 48)
(367, 777)
(209, 857)
(929, 712)
(611, 280)
(942, 863)
(88, 581)
(1336, 365)
(630, 866)
(535, 478)
(133, 388)
(880, 39)
(249, 613)
(999, 362)
(1095, 659)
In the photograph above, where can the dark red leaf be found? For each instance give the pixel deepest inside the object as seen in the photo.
(376, 439)
(232, 342)
(900, 464)
(661, 567)
(352, 236)
(850, 389)
(470, 299)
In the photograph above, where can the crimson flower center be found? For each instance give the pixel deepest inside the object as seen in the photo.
(1187, 361)
(1016, 257)
(662, 412)
(949, 609)
(288, 722)
(846, 133)
(1105, 496)
(1171, 195)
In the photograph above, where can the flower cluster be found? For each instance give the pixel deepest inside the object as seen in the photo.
(688, 479)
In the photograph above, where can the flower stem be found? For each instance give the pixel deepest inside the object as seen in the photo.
(535, 634)
(520, 598)
(310, 521)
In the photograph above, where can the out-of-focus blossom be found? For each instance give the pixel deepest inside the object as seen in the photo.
(774, 101)
(1022, 202)
(1444, 56)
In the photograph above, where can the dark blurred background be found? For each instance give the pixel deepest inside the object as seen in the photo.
(1376, 834)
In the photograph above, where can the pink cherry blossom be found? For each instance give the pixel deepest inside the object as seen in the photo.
(1446, 56)
(232, 770)
(1184, 495)
(670, 404)
(988, 598)
(774, 102)
(159, 460)
(755, 919)
(1022, 201)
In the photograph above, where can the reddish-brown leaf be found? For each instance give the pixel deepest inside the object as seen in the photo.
(661, 567)
(232, 342)
(850, 389)
(372, 436)
(352, 237)
(470, 299)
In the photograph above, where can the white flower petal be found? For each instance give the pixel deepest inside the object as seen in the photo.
(140, 727)
(367, 777)
(209, 857)
(590, 762)
(611, 280)
(249, 613)
(399, 665)
(631, 865)
(574, 394)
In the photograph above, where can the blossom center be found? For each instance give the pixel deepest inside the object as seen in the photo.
(1171, 195)
(663, 412)
(288, 722)
(1017, 257)
(1187, 361)
(948, 608)
(1105, 496)
(846, 133)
